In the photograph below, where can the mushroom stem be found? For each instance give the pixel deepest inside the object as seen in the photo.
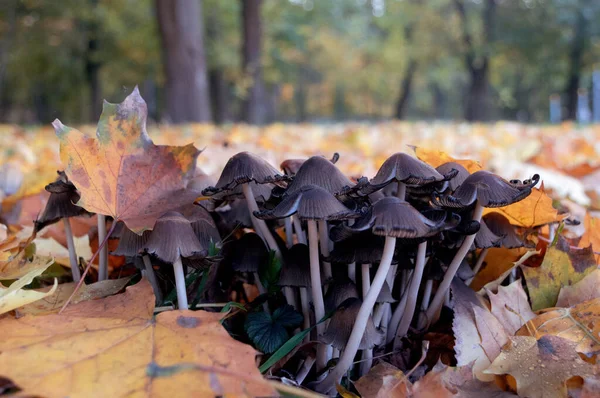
(413, 292)
(289, 233)
(366, 278)
(366, 362)
(352, 272)
(401, 191)
(103, 255)
(72, 254)
(259, 225)
(151, 276)
(378, 314)
(305, 369)
(440, 294)
(300, 235)
(317, 293)
(362, 318)
(262, 290)
(478, 264)
(182, 301)
(324, 246)
(305, 304)
(290, 296)
(391, 276)
(397, 315)
(427, 294)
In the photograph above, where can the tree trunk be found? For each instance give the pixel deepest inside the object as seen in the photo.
(181, 29)
(477, 105)
(253, 108)
(575, 65)
(405, 90)
(219, 96)
(9, 14)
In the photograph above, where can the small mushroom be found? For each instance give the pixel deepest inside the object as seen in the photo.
(295, 273)
(132, 245)
(61, 205)
(339, 290)
(171, 239)
(481, 189)
(242, 170)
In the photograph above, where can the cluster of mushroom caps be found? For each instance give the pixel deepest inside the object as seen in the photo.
(379, 254)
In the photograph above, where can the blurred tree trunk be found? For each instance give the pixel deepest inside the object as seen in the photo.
(253, 108)
(181, 28)
(477, 103)
(300, 96)
(219, 87)
(405, 90)
(8, 11)
(92, 65)
(575, 63)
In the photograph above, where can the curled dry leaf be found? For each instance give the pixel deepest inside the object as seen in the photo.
(20, 266)
(383, 380)
(122, 173)
(579, 324)
(53, 303)
(116, 345)
(541, 367)
(15, 296)
(584, 290)
(562, 266)
(510, 306)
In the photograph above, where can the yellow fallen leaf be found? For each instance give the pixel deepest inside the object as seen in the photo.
(117, 347)
(437, 158)
(20, 266)
(50, 247)
(15, 296)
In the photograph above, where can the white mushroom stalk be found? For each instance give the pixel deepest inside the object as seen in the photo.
(73, 262)
(317, 293)
(182, 301)
(151, 276)
(347, 357)
(324, 246)
(103, 255)
(259, 225)
(413, 291)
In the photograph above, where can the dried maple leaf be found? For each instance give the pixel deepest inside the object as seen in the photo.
(510, 306)
(584, 290)
(478, 334)
(436, 158)
(15, 296)
(121, 172)
(116, 346)
(562, 266)
(498, 261)
(541, 367)
(591, 235)
(579, 324)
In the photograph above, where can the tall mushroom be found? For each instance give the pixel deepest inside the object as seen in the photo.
(242, 175)
(393, 218)
(481, 189)
(312, 203)
(61, 205)
(171, 239)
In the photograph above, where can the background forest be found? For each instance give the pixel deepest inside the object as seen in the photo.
(297, 60)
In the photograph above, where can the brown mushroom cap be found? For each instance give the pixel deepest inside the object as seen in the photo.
(320, 172)
(310, 203)
(296, 267)
(359, 248)
(500, 226)
(246, 254)
(485, 238)
(394, 217)
(202, 223)
(130, 243)
(242, 168)
(489, 189)
(339, 290)
(341, 323)
(173, 237)
(401, 167)
(460, 176)
(61, 203)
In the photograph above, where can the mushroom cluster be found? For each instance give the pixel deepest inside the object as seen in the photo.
(364, 262)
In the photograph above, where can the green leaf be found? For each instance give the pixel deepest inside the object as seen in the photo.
(269, 273)
(267, 332)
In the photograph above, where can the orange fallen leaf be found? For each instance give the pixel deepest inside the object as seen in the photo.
(584, 290)
(578, 324)
(437, 158)
(122, 173)
(541, 367)
(115, 345)
(591, 236)
(497, 262)
(533, 211)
